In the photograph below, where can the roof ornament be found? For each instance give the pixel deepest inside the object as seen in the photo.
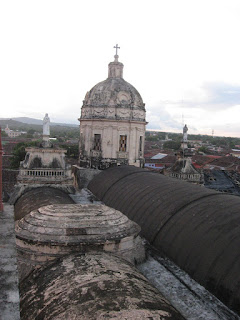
(116, 55)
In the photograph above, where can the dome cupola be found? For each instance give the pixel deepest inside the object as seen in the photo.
(112, 122)
(113, 98)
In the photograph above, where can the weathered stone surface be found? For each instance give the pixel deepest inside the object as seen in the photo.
(56, 230)
(31, 198)
(20, 189)
(92, 286)
(9, 179)
(44, 165)
(113, 93)
(82, 176)
(9, 295)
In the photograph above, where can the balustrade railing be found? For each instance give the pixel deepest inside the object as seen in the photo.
(47, 173)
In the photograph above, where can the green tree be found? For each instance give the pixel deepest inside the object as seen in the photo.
(203, 149)
(173, 145)
(19, 153)
(152, 138)
(72, 150)
(31, 131)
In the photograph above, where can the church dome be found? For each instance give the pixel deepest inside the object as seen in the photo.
(113, 98)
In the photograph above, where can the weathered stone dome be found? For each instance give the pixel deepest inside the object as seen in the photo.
(56, 230)
(114, 92)
(113, 98)
(92, 286)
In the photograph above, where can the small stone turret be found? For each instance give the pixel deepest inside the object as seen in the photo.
(115, 69)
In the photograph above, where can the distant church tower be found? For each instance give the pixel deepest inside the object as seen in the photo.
(112, 122)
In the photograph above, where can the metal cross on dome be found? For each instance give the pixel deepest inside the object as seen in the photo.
(116, 47)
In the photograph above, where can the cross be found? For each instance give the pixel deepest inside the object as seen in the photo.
(116, 47)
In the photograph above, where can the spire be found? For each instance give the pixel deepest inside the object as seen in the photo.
(115, 68)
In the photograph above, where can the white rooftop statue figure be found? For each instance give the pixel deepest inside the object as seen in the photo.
(185, 130)
(46, 125)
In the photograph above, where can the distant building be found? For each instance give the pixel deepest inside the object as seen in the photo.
(235, 153)
(159, 156)
(12, 133)
(222, 181)
(183, 168)
(154, 163)
(195, 143)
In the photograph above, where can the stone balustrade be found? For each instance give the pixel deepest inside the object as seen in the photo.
(49, 174)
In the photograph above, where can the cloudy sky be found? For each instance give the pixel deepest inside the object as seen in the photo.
(183, 56)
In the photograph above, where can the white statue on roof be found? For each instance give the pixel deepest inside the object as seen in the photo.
(46, 125)
(185, 130)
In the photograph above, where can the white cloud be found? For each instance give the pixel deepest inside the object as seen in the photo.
(182, 56)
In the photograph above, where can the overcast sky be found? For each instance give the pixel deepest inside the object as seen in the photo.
(182, 56)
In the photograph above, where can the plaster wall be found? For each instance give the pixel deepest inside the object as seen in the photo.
(110, 132)
(46, 155)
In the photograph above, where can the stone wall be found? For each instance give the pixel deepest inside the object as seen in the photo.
(110, 131)
(9, 179)
(82, 176)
